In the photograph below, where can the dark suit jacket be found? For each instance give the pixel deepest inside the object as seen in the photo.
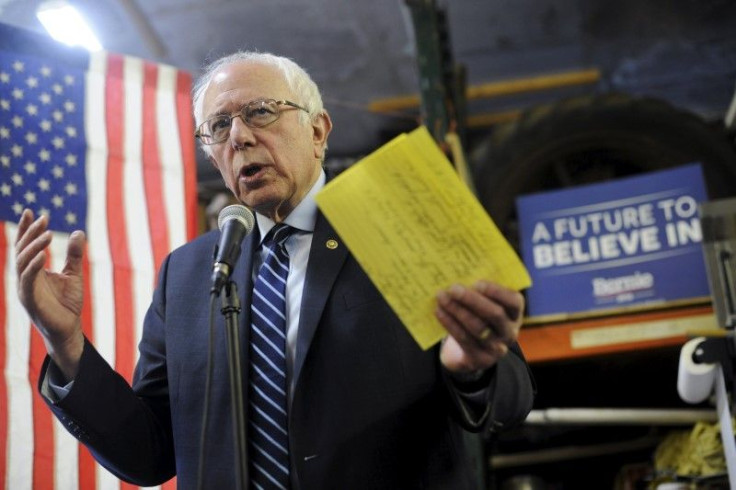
(370, 409)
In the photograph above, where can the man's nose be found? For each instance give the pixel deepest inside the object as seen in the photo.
(240, 133)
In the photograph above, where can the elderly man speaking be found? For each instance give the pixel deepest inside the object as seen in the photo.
(338, 393)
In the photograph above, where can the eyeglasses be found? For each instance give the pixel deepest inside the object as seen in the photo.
(256, 114)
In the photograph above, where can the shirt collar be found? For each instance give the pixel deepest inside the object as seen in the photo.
(304, 215)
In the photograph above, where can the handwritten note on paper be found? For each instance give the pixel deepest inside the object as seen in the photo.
(416, 228)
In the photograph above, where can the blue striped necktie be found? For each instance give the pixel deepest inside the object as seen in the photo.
(268, 438)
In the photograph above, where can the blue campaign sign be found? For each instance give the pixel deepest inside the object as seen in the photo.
(630, 241)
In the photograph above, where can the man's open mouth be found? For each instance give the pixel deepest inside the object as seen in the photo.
(251, 170)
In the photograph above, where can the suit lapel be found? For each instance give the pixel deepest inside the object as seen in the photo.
(244, 273)
(326, 257)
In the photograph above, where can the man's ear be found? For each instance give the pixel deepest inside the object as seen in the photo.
(321, 128)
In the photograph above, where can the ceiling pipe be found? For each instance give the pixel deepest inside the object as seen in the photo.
(500, 88)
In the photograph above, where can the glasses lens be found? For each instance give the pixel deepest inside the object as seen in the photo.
(218, 128)
(261, 113)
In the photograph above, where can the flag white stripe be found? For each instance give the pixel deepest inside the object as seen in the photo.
(136, 212)
(66, 457)
(20, 403)
(103, 305)
(172, 162)
(66, 451)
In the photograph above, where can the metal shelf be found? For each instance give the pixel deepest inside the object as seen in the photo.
(585, 337)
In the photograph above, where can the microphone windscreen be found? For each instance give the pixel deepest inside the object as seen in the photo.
(237, 212)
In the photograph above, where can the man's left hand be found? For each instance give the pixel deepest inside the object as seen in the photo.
(482, 321)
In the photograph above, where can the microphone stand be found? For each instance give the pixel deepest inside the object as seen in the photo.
(230, 309)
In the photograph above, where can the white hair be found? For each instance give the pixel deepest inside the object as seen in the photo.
(297, 79)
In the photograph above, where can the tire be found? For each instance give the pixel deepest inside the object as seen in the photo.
(592, 139)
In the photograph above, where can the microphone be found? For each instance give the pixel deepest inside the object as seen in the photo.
(235, 222)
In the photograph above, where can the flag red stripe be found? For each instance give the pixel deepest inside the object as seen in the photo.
(86, 464)
(87, 471)
(43, 428)
(157, 216)
(186, 131)
(169, 485)
(116, 218)
(3, 360)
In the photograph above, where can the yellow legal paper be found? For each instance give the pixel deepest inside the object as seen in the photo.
(416, 229)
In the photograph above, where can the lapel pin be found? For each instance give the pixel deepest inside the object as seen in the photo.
(331, 244)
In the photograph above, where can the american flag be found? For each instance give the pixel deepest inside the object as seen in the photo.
(98, 142)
